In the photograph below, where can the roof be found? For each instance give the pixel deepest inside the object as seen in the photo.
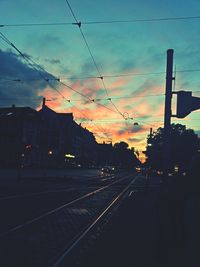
(17, 112)
(49, 112)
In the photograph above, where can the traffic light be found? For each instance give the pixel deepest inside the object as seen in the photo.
(186, 103)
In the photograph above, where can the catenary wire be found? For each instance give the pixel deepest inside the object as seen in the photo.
(104, 76)
(92, 56)
(102, 21)
(33, 65)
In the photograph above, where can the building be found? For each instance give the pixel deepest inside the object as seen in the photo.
(19, 128)
(44, 138)
(68, 142)
(105, 154)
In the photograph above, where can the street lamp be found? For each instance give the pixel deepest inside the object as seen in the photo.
(50, 152)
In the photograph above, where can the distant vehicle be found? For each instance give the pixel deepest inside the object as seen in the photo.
(138, 169)
(141, 169)
(108, 169)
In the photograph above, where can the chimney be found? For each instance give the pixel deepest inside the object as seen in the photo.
(43, 102)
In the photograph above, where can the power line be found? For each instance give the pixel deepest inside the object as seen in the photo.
(81, 77)
(84, 38)
(37, 24)
(95, 100)
(88, 98)
(192, 70)
(101, 77)
(33, 64)
(100, 128)
(142, 20)
(91, 55)
(98, 77)
(101, 21)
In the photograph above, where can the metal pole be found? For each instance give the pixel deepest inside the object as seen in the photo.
(150, 133)
(168, 112)
(20, 151)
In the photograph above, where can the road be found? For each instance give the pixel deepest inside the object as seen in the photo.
(41, 213)
(22, 201)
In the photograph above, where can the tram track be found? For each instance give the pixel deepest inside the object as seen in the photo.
(43, 237)
(49, 212)
(62, 259)
(18, 209)
(92, 180)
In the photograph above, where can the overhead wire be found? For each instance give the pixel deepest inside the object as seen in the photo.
(142, 20)
(81, 77)
(101, 21)
(78, 23)
(33, 64)
(119, 21)
(105, 76)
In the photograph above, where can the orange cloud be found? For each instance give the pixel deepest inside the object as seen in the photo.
(90, 114)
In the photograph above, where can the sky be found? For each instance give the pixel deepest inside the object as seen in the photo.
(130, 56)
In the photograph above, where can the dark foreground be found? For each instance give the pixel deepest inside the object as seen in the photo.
(147, 227)
(145, 232)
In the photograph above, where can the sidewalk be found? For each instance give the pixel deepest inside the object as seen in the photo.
(134, 239)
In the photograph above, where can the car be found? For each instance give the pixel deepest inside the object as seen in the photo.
(108, 169)
(138, 169)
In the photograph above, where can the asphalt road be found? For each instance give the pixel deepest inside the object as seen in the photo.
(23, 204)
(23, 201)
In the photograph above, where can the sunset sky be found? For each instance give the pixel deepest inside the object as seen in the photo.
(126, 44)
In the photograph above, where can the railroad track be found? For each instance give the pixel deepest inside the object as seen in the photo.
(16, 209)
(93, 180)
(48, 239)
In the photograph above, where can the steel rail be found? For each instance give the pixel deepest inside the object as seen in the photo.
(50, 191)
(36, 219)
(83, 234)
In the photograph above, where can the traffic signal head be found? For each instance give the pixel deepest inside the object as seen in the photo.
(183, 104)
(186, 103)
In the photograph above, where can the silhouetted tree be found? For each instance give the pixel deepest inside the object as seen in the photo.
(184, 145)
(123, 156)
(123, 146)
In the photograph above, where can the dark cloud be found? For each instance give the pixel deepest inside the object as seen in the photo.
(28, 82)
(131, 129)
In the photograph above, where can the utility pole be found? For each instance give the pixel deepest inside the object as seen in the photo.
(150, 133)
(168, 112)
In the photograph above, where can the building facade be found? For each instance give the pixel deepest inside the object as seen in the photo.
(43, 139)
